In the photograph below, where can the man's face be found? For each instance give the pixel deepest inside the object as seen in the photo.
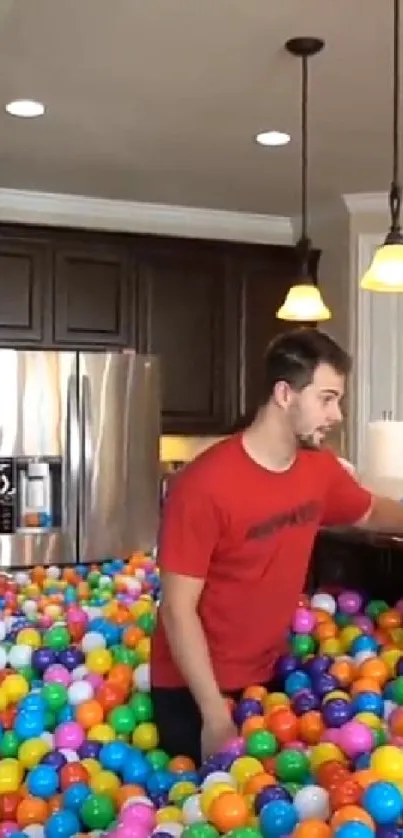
(316, 410)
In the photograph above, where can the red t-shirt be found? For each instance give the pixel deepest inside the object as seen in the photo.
(248, 533)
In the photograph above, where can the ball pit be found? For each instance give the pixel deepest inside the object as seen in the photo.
(79, 752)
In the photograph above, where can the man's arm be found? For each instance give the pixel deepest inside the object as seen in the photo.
(187, 641)
(190, 530)
(347, 503)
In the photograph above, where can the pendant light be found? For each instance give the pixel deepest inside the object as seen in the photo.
(304, 301)
(385, 273)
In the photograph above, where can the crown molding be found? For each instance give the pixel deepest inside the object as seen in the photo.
(28, 207)
(366, 202)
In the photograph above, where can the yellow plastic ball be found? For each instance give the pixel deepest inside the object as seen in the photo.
(243, 768)
(332, 647)
(32, 751)
(169, 814)
(336, 694)
(29, 637)
(211, 793)
(275, 700)
(16, 687)
(99, 661)
(348, 635)
(180, 791)
(325, 752)
(11, 775)
(139, 608)
(102, 733)
(105, 782)
(387, 763)
(369, 719)
(145, 736)
(143, 649)
(4, 701)
(92, 765)
(390, 657)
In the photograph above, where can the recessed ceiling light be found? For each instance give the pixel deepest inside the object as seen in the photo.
(27, 108)
(272, 138)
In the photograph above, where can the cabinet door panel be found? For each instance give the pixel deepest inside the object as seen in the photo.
(24, 281)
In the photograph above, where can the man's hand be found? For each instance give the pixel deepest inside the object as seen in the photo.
(218, 728)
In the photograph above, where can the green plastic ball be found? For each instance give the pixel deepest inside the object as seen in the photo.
(55, 696)
(261, 744)
(142, 707)
(200, 830)
(158, 759)
(57, 638)
(291, 766)
(97, 811)
(9, 744)
(303, 645)
(122, 719)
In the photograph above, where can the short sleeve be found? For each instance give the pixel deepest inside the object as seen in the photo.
(346, 502)
(189, 530)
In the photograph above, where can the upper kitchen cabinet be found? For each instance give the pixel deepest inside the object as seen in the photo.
(265, 275)
(25, 283)
(91, 294)
(187, 315)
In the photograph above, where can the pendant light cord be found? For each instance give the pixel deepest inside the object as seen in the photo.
(304, 151)
(395, 191)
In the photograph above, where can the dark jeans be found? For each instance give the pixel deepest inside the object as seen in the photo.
(179, 722)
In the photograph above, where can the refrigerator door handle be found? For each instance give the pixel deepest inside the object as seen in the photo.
(87, 452)
(72, 458)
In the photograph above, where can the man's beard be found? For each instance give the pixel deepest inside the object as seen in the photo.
(308, 443)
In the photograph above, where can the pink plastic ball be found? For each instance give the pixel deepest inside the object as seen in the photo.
(134, 829)
(57, 674)
(138, 813)
(349, 602)
(94, 679)
(235, 746)
(295, 746)
(355, 739)
(304, 621)
(365, 624)
(69, 735)
(331, 735)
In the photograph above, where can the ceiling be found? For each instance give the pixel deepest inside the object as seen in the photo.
(159, 100)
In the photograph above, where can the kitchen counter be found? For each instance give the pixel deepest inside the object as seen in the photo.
(360, 559)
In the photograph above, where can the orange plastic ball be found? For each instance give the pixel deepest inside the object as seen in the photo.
(73, 772)
(351, 813)
(283, 724)
(311, 727)
(89, 713)
(312, 829)
(228, 811)
(32, 810)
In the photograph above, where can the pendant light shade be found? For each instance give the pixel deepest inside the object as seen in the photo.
(304, 302)
(385, 274)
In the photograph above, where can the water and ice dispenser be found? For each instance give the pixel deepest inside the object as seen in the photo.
(30, 494)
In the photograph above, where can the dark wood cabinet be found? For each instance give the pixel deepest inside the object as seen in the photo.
(91, 295)
(208, 309)
(184, 316)
(24, 291)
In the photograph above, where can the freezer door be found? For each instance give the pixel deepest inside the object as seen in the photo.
(119, 403)
(39, 418)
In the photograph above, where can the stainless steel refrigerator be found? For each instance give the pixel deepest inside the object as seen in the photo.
(79, 456)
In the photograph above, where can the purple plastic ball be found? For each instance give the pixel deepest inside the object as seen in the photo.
(284, 665)
(269, 794)
(336, 712)
(399, 666)
(247, 707)
(349, 602)
(43, 658)
(304, 701)
(55, 759)
(317, 665)
(324, 684)
(89, 749)
(71, 658)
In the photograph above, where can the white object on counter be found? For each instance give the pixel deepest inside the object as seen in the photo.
(383, 454)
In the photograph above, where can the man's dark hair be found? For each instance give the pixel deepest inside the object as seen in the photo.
(294, 356)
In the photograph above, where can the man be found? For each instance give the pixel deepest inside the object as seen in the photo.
(236, 539)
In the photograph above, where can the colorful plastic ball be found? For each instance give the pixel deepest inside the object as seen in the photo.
(384, 802)
(278, 818)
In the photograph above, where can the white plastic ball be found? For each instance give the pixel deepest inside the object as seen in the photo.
(53, 572)
(79, 672)
(312, 802)
(69, 754)
(170, 827)
(29, 607)
(79, 691)
(324, 602)
(93, 640)
(18, 656)
(218, 777)
(141, 678)
(191, 810)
